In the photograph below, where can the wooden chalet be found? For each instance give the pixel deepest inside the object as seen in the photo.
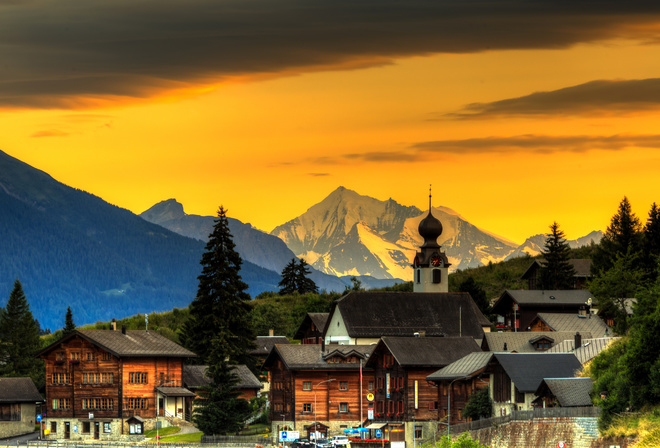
(405, 402)
(264, 344)
(564, 392)
(582, 267)
(527, 341)
(327, 384)
(248, 385)
(19, 398)
(310, 330)
(583, 323)
(362, 317)
(520, 307)
(109, 385)
(584, 349)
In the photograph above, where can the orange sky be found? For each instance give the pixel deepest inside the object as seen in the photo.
(517, 117)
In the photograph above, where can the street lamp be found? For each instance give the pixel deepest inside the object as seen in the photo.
(282, 415)
(449, 404)
(315, 420)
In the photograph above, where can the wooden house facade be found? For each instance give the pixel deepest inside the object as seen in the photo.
(107, 385)
(312, 382)
(404, 398)
(310, 330)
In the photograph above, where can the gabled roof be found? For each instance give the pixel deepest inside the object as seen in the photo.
(575, 322)
(589, 349)
(311, 356)
(377, 314)
(131, 344)
(527, 370)
(467, 366)
(545, 298)
(427, 351)
(318, 319)
(195, 377)
(568, 391)
(19, 390)
(582, 267)
(266, 343)
(520, 341)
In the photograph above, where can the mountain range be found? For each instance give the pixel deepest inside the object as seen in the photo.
(71, 248)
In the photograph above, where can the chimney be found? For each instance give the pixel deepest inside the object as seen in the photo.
(505, 349)
(123, 329)
(113, 324)
(322, 345)
(271, 332)
(578, 340)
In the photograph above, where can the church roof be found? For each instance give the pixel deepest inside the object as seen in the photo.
(377, 314)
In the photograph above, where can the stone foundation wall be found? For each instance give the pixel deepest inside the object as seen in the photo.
(576, 432)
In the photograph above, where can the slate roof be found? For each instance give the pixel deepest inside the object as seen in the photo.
(377, 314)
(266, 343)
(175, 391)
(574, 322)
(527, 370)
(195, 377)
(311, 357)
(520, 341)
(589, 349)
(132, 344)
(582, 267)
(569, 391)
(427, 351)
(546, 298)
(19, 390)
(318, 319)
(467, 366)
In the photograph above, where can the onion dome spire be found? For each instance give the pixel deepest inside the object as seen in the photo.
(430, 228)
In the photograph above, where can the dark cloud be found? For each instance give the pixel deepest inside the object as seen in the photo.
(318, 174)
(67, 53)
(596, 98)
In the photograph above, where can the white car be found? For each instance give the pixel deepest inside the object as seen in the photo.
(342, 441)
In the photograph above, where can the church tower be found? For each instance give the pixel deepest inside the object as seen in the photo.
(431, 265)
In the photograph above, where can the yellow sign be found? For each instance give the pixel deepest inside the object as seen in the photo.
(370, 397)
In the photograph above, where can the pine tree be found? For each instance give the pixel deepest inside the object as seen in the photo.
(220, 313)
(304, 283)
(19, 339)
(218, 410)
(288, 283)
(623, 236)
(69, 326)
(652, 241)
(557, 272)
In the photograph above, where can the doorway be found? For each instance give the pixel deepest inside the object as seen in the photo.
(67, 430)
(97, 430)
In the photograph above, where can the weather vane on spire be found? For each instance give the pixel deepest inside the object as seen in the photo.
(430, 185)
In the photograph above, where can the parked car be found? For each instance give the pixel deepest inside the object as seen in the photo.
(322, 443)
(340, 441)
(301, 443)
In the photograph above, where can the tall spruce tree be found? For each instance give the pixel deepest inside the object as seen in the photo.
(219, 319)
(19, 339)
(288, 283)
(557, 272)
(69, 325)
(295, 278)
(652, 242)
(305, 284)
(623, 236)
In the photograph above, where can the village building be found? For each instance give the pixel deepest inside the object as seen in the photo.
(264, 344)
(564, 392)
(520, 307)
(527, 341)
(405, 404)
(112, 385)
(582, 267)
(310, 330)
(582, 323)
(316, 383)
(19, 398)
(585, 350)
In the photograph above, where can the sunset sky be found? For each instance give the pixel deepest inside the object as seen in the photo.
(518, 112)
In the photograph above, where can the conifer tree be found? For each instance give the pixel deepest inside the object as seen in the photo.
(652, 241)
(295, 278)
(305, 284)
(19, 339)
(220, 313)
(288, 283)
(557, 272)
(623, 236)
(69, 326)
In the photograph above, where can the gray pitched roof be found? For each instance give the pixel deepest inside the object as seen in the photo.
(317, 319)
(467, 366)
(428, 351)
(558, 298)
(582, 267)
(18, 390)
(569, 391)
(520, 341)
(377, 314)
(135, 343)
(589, 349)
(574, 322)
(527, 370)
(266, 343)
(195, 377)
(175, 391)
(311, 357)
